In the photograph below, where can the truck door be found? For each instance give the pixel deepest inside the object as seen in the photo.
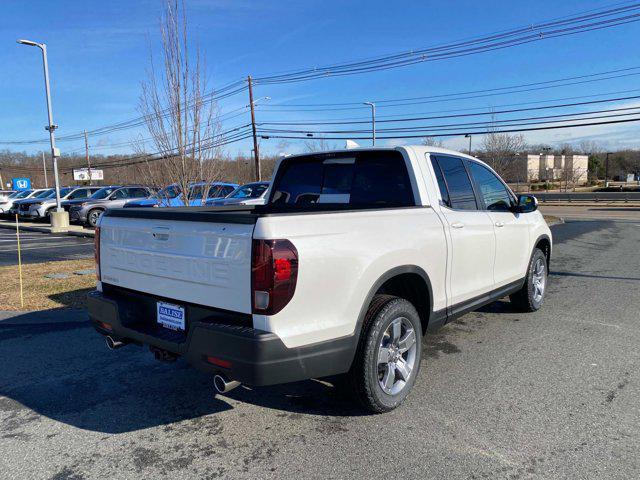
(471, 231)
(511, 229)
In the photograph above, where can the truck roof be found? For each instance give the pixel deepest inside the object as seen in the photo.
(420, 149)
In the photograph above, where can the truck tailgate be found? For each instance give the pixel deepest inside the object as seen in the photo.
(202, 262)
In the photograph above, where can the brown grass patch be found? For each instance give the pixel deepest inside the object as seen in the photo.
(42, 293)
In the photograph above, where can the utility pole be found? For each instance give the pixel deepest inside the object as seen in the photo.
(86, 153)
(256, 152)
(468, 135)
(606, 169)
(373, 121)
(44, 168)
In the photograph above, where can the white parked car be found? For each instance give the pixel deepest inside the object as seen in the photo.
(356, 255)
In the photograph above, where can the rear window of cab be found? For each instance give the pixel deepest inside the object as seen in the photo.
(366, 179)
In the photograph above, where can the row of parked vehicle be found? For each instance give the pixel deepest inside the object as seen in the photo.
(86, 204)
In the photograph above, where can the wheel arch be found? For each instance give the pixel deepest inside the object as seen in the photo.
(410, 282)
(543, 242)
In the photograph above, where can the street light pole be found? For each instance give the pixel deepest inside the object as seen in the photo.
(51, 127)
(606, 169)
(468, 135)
(373, 121)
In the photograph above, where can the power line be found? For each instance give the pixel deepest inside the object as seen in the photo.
(489, 112)
(461, 95)
(527, 34)
(565, 116)
(457, 134)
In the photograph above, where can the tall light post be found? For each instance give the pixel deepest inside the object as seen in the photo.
(59, 218)
(373, 121)
(468, 135)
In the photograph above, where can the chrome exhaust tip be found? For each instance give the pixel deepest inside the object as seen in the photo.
(112, 343)
(223, 384)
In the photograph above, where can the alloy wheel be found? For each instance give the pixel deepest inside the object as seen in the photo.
(396, 356)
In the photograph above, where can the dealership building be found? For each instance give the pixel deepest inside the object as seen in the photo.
(541, 168)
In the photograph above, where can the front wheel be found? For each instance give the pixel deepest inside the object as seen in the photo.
(93, 216)
(387, 360)
(531, 296)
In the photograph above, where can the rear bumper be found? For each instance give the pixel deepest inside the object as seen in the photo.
(256, 357)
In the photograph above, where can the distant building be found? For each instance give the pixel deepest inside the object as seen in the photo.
(528, 168)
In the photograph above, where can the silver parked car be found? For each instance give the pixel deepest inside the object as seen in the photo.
(88, 210)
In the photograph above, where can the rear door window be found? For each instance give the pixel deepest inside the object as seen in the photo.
(458, 184)
(364, 179)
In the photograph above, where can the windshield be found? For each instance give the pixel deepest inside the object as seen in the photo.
(45, 193)
(172, 191)
(22, 194)
(103, 193)
(66, 191)
(249, 191)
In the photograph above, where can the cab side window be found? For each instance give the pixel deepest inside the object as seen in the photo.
(493, 192)
(454, 183)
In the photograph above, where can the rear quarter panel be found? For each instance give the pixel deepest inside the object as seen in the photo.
(341, 257)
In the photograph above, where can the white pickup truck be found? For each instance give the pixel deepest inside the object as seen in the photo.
(355, 256)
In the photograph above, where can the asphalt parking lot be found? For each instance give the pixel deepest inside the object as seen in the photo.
(501, 394)
(39, 247)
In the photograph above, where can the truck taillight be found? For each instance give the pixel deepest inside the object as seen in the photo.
(96, 242)
(274, 272)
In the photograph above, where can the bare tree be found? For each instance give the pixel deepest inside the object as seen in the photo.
(179, 113)
(431, 142)
(500, 150)
(319, 144)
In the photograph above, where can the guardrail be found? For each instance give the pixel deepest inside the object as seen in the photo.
(592, 197)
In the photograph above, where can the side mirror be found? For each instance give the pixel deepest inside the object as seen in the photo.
(526, 204)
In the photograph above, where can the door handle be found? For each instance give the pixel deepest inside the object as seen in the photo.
(499, 224)
(457, 225)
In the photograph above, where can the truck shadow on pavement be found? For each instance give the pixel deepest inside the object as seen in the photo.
(54, 364)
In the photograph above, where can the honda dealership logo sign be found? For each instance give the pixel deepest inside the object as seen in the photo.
(21, 183)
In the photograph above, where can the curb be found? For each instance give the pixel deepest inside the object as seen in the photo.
(30, 228)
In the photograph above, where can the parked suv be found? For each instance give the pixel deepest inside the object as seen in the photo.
(355, 256)
(31, 195)
(41, 208)
(89, 210)
(7, 203)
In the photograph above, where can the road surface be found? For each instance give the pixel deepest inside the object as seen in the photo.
(39, 247)
(501, 395)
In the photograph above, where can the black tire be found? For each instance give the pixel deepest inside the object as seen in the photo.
(527, 299)
(93, 216)
(365, 376)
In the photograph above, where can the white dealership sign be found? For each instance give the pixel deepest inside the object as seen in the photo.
(82, 174)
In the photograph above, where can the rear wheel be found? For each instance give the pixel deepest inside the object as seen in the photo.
(93, 216)
(387, 360)
(531, 296)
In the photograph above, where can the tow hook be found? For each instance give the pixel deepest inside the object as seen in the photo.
(163, 355)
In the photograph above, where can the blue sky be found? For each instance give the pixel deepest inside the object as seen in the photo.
(98, 54)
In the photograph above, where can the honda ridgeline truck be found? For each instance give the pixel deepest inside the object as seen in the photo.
(354, 257)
